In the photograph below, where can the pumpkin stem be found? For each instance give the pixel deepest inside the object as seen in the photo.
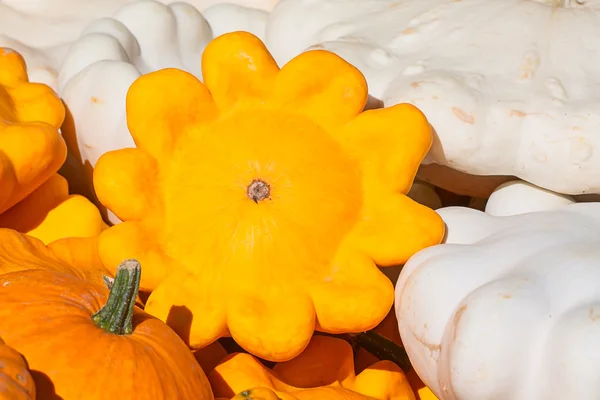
(117, 314)
(382, 348)
(108, 281)
(258, 190)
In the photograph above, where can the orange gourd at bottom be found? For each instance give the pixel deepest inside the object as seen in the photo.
(16, 382)
(73, 256)
(87, 344)
(324, 371)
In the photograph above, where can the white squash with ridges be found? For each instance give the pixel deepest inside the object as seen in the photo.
(508, 308)
(511, 87)
(43, 30)
(46, 23)
(520, 197)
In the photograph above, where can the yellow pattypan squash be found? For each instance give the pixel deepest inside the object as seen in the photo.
(34, 199)
(261, 201)
(31, 147)
(324, 371)
(50, 213)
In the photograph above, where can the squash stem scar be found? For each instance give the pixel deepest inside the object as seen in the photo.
(258, 190)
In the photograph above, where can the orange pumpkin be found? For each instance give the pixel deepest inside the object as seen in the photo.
(88, 344)
(16, 382)
(49, 213)
(324, 371)
(262, 200)
(31, 147)
(74, 256)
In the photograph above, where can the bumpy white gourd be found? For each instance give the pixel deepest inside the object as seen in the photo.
(263, 5)
(47, 23)
(520, 197)
(43, 30)
(510, 86)
(508, 308)
(229, 17)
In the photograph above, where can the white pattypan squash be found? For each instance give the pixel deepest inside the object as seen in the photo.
(111, 53)
(510, 86)
(520, 197)
(508, 308)
(43, 30)
(263, 5)
(47, 23)
(229, 17)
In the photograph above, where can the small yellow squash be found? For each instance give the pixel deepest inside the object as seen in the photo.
(261, 201)
(31, 147)
(324, 371)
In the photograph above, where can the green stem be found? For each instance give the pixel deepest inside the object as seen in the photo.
(116, 316)
(382, 348)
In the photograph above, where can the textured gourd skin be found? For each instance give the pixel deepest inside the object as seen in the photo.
(31, 147)
(43, 311)
(325, 370)
(16, 382)
(303, 257)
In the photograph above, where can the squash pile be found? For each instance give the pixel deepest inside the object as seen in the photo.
(206, 201)
(254, 213)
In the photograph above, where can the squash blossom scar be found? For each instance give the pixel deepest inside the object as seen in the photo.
(258, 190)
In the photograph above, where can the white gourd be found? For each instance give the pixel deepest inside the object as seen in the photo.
(520, 197)
(508, 307)
(43, 30)
(511, 87)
